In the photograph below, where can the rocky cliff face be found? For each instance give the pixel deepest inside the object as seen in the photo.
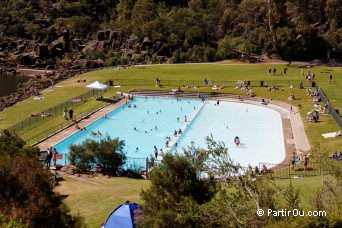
(48, 57)
(34, 54)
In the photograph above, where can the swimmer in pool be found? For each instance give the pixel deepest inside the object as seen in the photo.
(237, 141)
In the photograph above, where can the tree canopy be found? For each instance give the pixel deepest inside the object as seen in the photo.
(26, 192)
(181, 196)
(194, 30)
(108, 153)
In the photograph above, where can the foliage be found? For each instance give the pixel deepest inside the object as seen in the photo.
(174, 185)
(108, 153)
(291, 29)
(12, 146)
(26, 194)
(80, 26)
(234, 202)
(11, 223)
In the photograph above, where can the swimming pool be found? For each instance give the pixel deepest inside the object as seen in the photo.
(154, 119)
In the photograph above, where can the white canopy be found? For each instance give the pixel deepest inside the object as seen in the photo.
(97, 85)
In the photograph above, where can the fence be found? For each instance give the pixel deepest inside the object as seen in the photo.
(176, 83)
(36, 139)
(136, 164)
(37, 118)
(288, 171)
(334, 112)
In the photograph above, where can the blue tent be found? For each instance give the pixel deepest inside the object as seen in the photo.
(124, 216)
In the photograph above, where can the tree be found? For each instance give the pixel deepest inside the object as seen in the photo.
(175, 185)
(26, 193)
(184, 191)
(108, 153)
(144, 12)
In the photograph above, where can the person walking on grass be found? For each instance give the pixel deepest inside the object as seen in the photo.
(65, 113)
(330, 78)
(71, 112)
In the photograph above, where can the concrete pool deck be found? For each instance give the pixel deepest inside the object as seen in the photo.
(295, 138)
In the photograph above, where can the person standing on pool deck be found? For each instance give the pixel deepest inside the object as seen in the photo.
(155, 152)
(54, 154)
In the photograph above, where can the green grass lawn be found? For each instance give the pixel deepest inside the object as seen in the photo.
(95, 198)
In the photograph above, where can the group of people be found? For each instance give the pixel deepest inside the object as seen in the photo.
(97, 133)
(54, 155)
(296, 159)
(310, 76)
(337, 156)
(242, 85)
(263, 170)
(156, 153)
(217, 87)
(291, 97)
(312, 116)
(177, 133)
(314, 94)
(274, 70)
(65, 112)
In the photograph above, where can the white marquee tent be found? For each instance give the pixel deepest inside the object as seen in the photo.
(97, 86)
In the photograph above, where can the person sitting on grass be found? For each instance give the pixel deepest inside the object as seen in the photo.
(264, 169)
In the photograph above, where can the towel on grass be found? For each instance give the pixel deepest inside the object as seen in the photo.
(329, 135)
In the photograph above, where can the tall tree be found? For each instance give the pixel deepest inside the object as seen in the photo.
(174, 185)
(26, 193)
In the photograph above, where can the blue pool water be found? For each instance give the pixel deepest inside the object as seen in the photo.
(155, 119)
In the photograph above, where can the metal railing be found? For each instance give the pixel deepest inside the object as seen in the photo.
(329, 108)
(38, 118)
(289, 171)
(55, 129)
(209, 83)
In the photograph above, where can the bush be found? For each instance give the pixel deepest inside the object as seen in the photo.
(107, 153)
